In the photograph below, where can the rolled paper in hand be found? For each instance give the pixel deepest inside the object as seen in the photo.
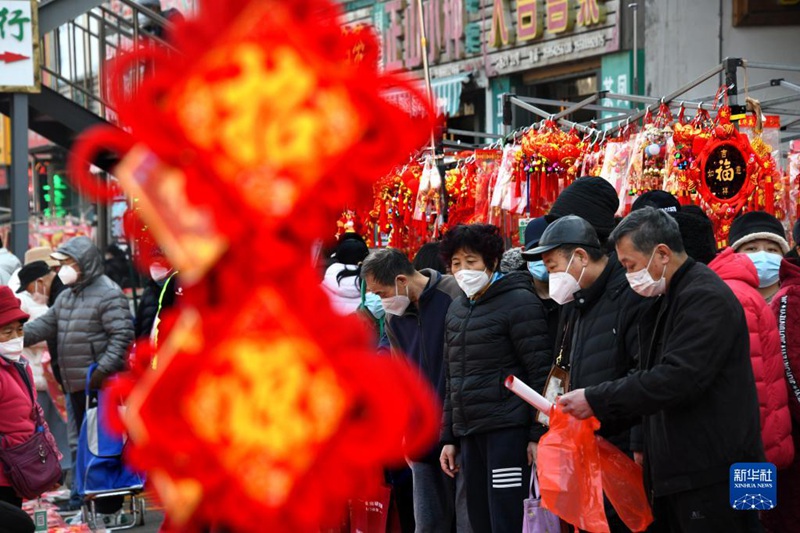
(518, 387)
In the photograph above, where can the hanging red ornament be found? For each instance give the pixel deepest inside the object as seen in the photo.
(726, 172)
(244, 144)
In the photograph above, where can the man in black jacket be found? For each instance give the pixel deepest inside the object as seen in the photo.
(416, 303)
(695, 386)
(596, 339)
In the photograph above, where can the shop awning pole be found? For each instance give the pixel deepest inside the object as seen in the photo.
(563, 103)
(752, 89)
(791, 123)
(580, 105)
(652, 100)
(426, 68)
(769, 66)
(781, 111)
(789, 85)
(781, 100)
(532, 108)
(673, 95)
(476, 134)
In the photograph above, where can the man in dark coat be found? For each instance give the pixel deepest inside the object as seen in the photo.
(416, 303)
(596, 339)
(694, 388)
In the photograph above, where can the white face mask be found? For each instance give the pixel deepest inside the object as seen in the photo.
(397, 304)
(159, 273)
(472, 281)
(643, 283)
(68, 275)
(12, 350)
(563, 285)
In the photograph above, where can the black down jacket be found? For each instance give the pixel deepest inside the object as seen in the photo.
(695, 388)
(502, 332)
(90, 320)
(601, 344)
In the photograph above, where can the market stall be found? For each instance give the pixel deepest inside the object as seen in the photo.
(728, 153)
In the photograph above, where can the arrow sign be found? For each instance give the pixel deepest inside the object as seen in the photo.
(11, 57)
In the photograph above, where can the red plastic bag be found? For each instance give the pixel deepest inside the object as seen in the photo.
(624, 486)
(568, 465)
(371, 516)
(575, 467)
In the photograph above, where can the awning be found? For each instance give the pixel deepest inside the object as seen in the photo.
(448, 92)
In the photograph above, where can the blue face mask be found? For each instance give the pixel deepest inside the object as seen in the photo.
(768, 265)
(538, 270)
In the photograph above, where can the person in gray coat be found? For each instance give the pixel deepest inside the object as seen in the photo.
(90, 322)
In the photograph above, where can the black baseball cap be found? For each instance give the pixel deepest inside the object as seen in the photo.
(570, 230)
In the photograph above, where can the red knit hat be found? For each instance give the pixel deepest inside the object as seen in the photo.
(9, 308)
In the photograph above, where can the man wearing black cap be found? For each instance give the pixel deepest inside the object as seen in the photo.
(35, 279)
(597, 339)
(694, 388)
(697, 231)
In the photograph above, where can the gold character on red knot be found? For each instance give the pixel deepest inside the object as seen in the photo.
(725, 170)
(559, 16)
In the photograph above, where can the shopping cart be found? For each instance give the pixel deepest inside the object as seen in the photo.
(102, 478)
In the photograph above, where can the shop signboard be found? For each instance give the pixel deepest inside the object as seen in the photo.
(19, 47)
(616, 76)
(505, 36)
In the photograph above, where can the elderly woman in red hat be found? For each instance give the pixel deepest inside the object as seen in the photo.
(17, 393)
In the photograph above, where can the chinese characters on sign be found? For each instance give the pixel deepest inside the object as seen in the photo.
(444, 28)
(455, 30)
(753, 486)
(725, 171)
(19, 46)
(755, 475)
(15, 20)
(537, 17)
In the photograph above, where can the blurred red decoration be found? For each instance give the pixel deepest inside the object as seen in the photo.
(267, 411)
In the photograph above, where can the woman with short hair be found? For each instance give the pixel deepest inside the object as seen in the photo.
(497, 329)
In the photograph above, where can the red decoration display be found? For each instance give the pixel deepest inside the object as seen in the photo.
(726, 171)
(267, 412)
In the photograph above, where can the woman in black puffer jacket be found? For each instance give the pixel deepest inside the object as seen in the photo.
(498, 328)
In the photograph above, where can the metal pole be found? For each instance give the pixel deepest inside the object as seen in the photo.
(19, 174)
(425, 67)
(772, 66)
(731, 64)
(508, 114)
(102, 222)
(532, 108)
(635, 8)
